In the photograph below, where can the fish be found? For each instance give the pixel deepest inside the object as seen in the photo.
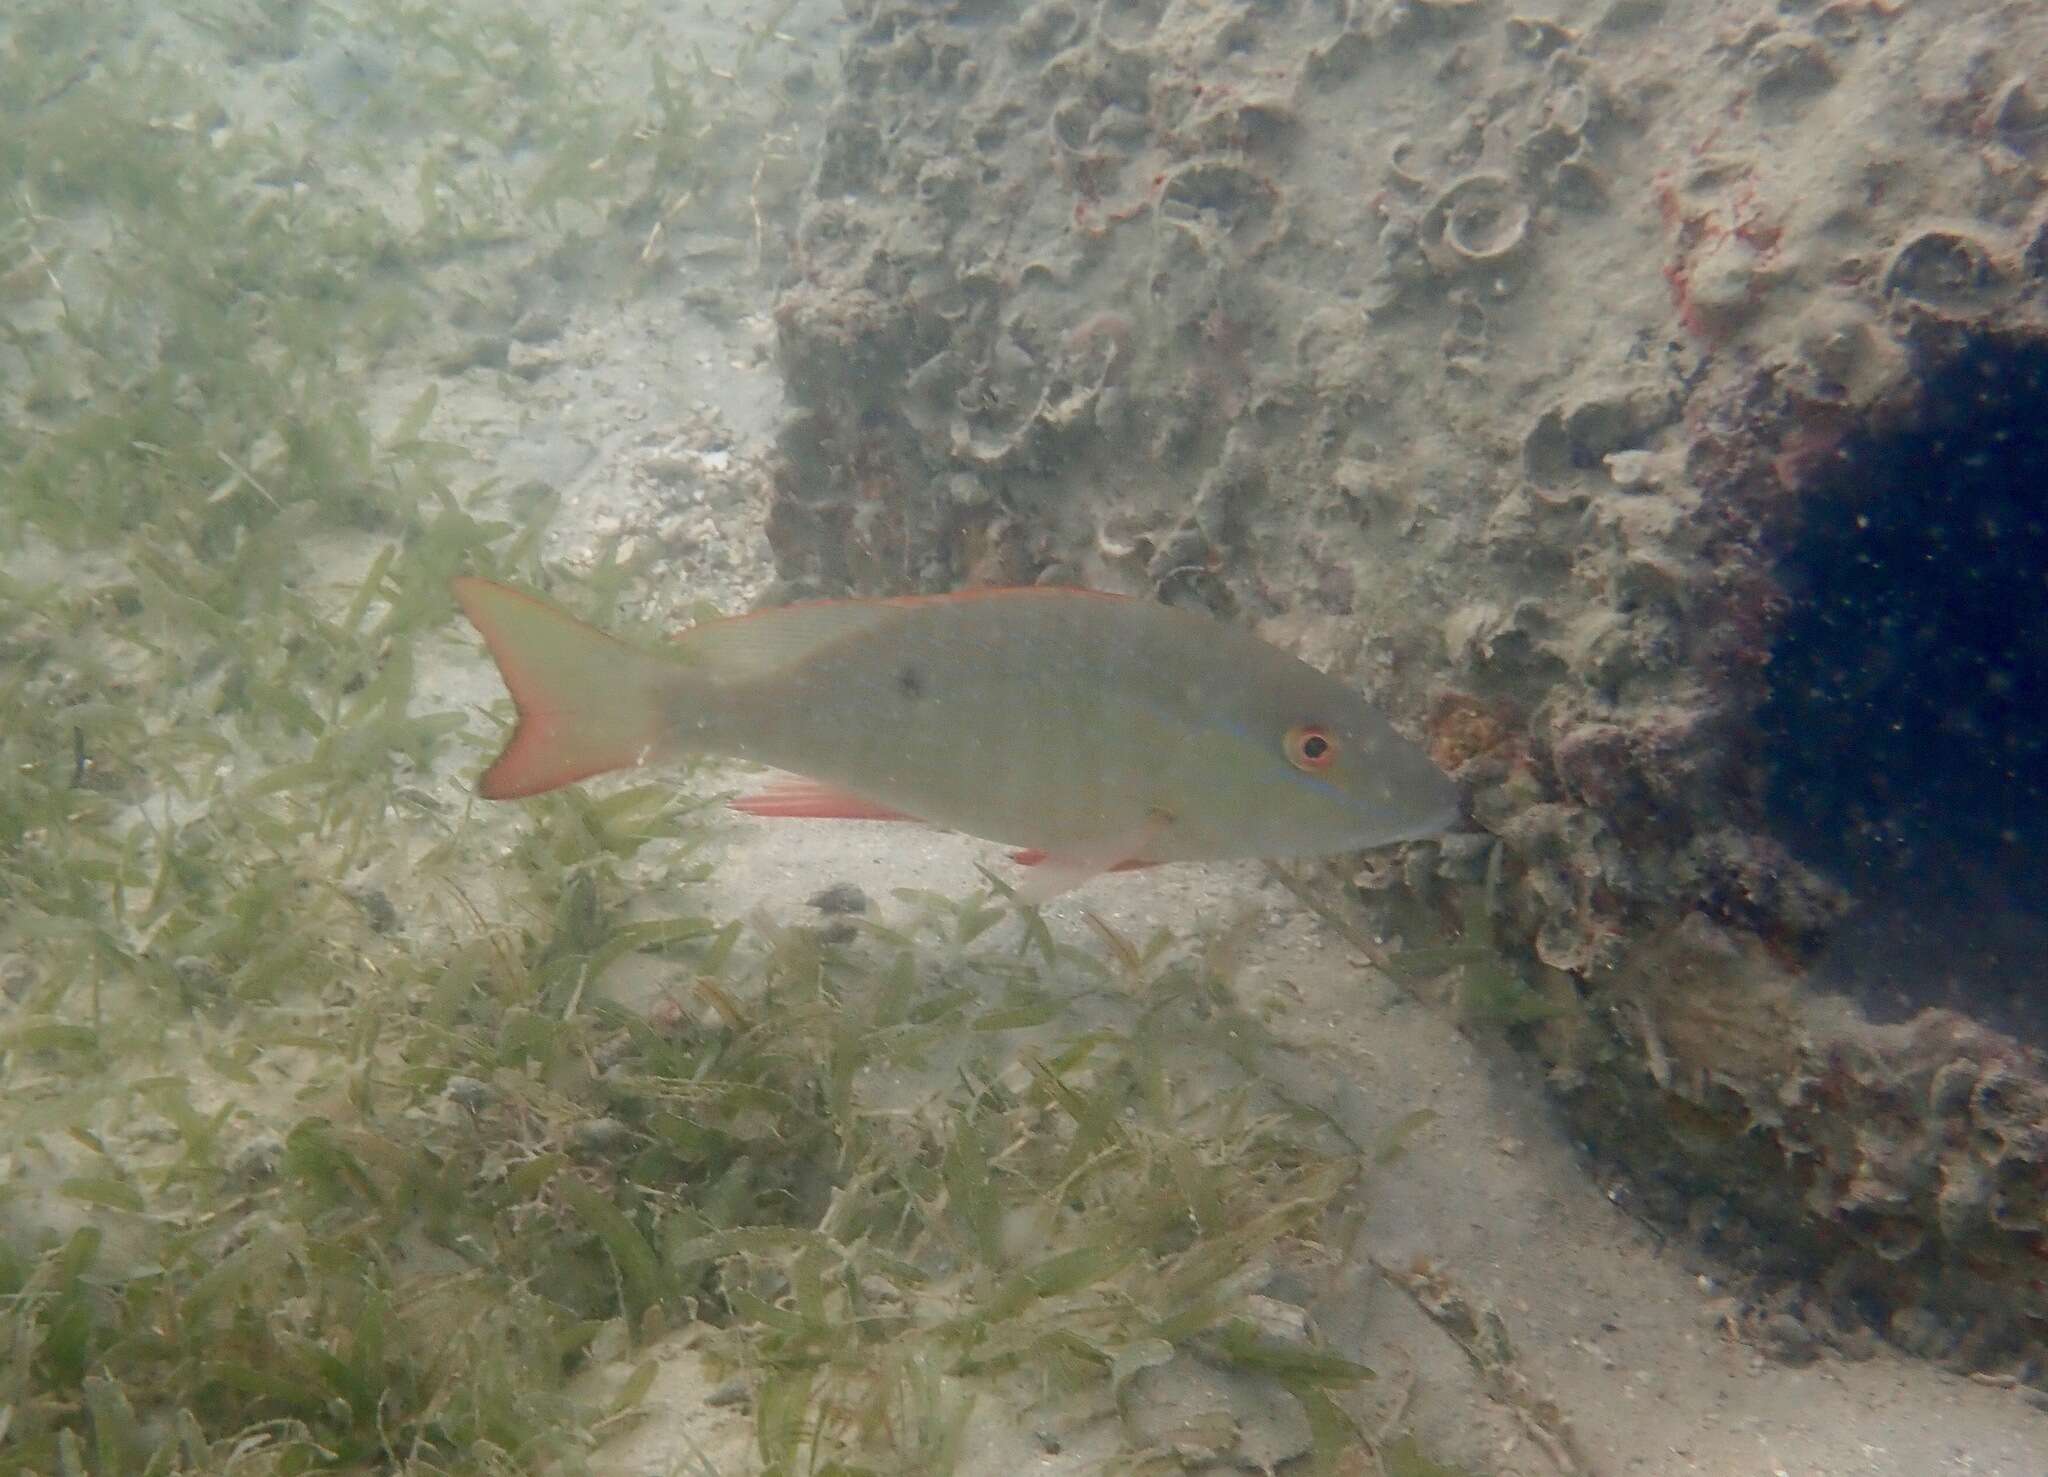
(1093, 732)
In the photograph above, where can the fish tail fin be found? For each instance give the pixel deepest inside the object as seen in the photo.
(587, 702)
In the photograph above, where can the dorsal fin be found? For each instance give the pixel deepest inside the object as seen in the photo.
(745, 647)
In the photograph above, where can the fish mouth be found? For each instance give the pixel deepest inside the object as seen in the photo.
(1423, 830)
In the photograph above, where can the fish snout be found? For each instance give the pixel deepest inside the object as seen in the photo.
(1412, 800)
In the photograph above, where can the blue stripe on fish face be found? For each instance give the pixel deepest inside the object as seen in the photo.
(1315, 784)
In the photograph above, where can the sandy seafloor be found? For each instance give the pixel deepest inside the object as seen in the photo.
(1623, 1331)
(650, 420)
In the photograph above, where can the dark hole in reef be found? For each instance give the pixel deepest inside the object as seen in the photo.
(1907, 719)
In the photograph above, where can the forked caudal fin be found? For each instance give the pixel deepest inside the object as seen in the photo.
(587, 702)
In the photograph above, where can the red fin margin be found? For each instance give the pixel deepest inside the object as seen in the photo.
(1062, 871)
(588, 703)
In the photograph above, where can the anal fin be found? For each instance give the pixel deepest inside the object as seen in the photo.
(1066, 868)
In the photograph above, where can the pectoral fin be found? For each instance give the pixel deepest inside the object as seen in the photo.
(800, 798)
(1065, 868)
(1031, 857)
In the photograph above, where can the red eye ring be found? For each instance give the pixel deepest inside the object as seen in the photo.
(1311, 747)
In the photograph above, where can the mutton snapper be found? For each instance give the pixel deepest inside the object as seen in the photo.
(1096, 732)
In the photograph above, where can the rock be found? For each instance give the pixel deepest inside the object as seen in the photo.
(1203, 1414)
(1525, 383)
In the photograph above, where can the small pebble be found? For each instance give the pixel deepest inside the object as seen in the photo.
(733, 1392)
(378, 909)
(1791, 1340)
(595, 1135)
(257, 1159)
(1280, 1322)
(18, 975)
(195, 974)
(466, 1092)
(840, 897)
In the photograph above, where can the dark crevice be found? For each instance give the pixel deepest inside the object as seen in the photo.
(1908, 686)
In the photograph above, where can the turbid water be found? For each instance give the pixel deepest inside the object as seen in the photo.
(352, 1124)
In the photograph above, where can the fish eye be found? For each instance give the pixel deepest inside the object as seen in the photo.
(1310, 747)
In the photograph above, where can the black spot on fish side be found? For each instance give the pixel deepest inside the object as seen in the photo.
(910, 682)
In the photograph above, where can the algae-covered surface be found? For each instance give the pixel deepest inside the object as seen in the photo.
(352, 1124)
